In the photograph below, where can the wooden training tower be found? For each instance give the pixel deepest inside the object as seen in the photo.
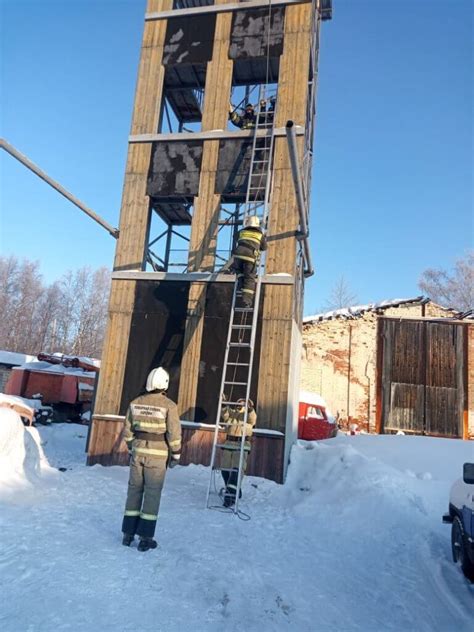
(185, 182)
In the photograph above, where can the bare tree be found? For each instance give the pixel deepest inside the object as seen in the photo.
(21, 289)
(451, 289)
(92, 290)
(341, 296)
(68, 316)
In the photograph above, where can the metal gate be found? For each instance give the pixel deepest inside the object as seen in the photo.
(421, 377)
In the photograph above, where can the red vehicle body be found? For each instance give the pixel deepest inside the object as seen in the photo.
(315, 422)
(54, 387)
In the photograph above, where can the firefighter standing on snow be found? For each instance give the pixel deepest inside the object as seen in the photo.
(250, 243)
(232, 418)
(153, 436)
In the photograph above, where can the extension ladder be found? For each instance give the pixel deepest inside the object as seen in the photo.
(240, 347)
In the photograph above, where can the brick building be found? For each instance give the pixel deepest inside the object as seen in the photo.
(401, 364)
(9, 360)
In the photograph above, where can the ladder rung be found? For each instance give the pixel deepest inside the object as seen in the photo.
(239, 344)
(227, 447)
(231, 404)
(243, 309)
(241, 326)
(237, 383)
(226, 469)
(238, 364)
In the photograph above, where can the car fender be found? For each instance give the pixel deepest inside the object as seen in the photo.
(461, 499)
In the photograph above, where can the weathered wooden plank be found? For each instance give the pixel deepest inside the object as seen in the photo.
(192, 351)
(406, 407)
(109, 387)
(378, 376)
(133, 227)
(265, 458)
(423, 377)
(292, 103)
(202, 248)
(104, 445)
(388, 331)
(275, 356)
(283, 221)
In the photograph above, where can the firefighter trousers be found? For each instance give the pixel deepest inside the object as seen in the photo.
(145, 484)
(230, 461)
(246, 275)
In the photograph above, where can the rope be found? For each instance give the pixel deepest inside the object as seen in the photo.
(239, 513)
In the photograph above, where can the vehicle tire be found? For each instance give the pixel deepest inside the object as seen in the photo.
(459, 550)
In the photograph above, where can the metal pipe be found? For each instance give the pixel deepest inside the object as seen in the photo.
(300, 199)
(41, 174)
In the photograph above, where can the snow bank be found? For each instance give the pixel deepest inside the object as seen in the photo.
(12, 358)
(46, 367)
(353, 541)
(34, 404)
(21, 456)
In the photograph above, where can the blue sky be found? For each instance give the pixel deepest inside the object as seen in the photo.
(392, 184)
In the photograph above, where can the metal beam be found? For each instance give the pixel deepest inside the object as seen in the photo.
(219, 8)
(300, 199)
(202, 277)
(44, 176)
(212, 135)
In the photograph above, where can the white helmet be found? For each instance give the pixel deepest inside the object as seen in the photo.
(252, 221)
(157, 380)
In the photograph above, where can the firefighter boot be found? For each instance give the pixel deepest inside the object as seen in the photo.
(247, 299)
(229, 499)
(127, 539)
(146, 544)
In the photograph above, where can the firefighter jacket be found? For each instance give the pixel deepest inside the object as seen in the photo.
(244, 121)
(251, 242)
(233, 421)
(152, 427)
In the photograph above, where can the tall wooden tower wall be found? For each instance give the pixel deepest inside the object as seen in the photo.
(180, 321)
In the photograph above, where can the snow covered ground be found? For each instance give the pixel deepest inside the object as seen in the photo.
(352, 541)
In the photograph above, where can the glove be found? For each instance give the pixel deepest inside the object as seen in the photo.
(174, 461)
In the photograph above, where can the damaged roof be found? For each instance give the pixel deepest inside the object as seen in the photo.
(356, 311)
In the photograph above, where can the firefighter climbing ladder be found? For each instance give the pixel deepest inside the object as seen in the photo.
(240, 347)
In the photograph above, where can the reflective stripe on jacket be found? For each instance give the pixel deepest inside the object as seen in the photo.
(244, 121)
(233, 421)
(154, 414)
(253, 240)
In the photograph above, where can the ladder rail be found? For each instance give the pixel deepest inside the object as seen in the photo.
(219, 407)
(261, 269)
(254, 205)
(247, 393)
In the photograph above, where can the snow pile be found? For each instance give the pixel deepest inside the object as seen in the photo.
(47, 367)
(21, 456)
(34, 404)
(14, 359)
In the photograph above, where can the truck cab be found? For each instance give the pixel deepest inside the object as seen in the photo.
(315, 421)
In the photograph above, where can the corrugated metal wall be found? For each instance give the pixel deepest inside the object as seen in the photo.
(422, 377)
